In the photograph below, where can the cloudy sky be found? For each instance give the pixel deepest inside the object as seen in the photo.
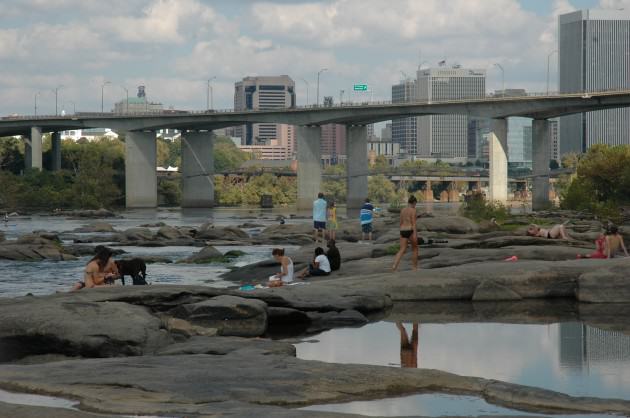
(173, 46)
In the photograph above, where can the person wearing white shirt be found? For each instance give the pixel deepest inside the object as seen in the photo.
(319, 267)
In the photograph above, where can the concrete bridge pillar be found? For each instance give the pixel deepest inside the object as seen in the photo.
(498, 161)
(140, 170)
(428, 192)
(56, 151)
(309, 169)
(541, 156)
(33, 149)
(197, 170)
(356, 165)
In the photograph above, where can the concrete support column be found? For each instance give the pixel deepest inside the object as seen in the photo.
(309, 167)
(428, 192)
(197, 170)
(541, 152)
(498, 189)
(140, 170)
(356, 165)
(34, 149)
(28, 152)
(56, 151)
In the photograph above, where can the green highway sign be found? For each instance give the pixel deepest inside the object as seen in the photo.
(360, 87)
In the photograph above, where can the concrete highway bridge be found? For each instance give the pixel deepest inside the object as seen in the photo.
(197, 160)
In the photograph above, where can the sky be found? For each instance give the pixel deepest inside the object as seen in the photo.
(174, 46)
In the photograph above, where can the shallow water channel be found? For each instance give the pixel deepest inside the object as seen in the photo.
(569, 357)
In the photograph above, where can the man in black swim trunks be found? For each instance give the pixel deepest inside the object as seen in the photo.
(408, 234)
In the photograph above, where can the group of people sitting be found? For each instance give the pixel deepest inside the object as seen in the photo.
(322, 265)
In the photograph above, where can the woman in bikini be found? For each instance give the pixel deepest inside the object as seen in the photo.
(99, 271)
(614, 241)
(408, 234)
(555, 232)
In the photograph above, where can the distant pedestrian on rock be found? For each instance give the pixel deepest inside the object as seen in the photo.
(408, 234)
(367, 211)
(331, 222)
(319, 217)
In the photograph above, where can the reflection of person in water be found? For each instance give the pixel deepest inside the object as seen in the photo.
(408, 348)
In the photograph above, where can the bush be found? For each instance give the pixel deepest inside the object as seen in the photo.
(478, 209)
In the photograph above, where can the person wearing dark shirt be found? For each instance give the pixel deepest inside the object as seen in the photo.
(333, 255)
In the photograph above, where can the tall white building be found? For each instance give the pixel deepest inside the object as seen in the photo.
(594, 55)
(404, 130)
(264, 93)
(446, 136)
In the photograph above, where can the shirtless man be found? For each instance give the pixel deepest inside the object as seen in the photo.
(614, 241)
(99, 270)
(408, 234)
(555, 232)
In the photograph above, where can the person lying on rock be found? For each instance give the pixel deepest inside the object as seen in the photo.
(99, 271)
(555, 232)
(286, 269)
(319, 267)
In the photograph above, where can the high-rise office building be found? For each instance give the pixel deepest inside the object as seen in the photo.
(554, 145)
(404, 130)
(594, 55)
(446, 136)
(519, 139)
(264, 93)
(333, 142)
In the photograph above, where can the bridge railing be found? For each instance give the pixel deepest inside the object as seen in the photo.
(346, 104)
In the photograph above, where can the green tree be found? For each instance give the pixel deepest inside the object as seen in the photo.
(380, 189)
(227, 156)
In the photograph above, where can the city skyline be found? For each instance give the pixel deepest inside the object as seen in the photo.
(174, 47)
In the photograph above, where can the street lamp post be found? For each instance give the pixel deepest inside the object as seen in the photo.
(502, 77)
(127, 93)
(209, 98)
(318, 74)
(36, 94)
(548, 59)
(74, 107)
(103, 94)
(341, 92)
(56, 91)
(307, 87)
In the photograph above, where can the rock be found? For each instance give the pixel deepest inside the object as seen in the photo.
(225, 345)
(88, 250)
(183, 327)
(234, 254)
(347, 318)
(249, 225)
(604, 285)
(2, 237)
(491, 291)
(74, 327)
(39, 239)
(138, 234)
(208, 231)
(28, 411)
(170, 233)
(153, 225)
(286, 316)
(95, 227)
(40, 249)
(231, 315)
(207, 255)
(88, 213)
(448, 224)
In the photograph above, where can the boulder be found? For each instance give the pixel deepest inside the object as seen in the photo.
(153, 225)
(87, 213)
(170, 233)
(185, 328)
(77, 328)
(448, 224)
(79, 250)
(208, 231)
(95, 227)
(489, 290)
(207, 255)
(137, 234)
(605, 285)
(40, 238)
(230, 315)
(225, 345)
(326, 320)
(45, 250)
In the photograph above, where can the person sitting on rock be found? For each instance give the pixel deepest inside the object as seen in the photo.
(600, 248)
(99, 271)
(319, 267)
(334, 257)
(285, 276)
(555, 232)
(614, 241)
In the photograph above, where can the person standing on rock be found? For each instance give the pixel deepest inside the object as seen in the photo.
(408, 234)
(98, 270)
(367, 211)
(286, 269)
(331, 222)
(319, 217)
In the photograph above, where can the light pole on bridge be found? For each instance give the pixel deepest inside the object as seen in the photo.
(318, 75)
(127, 93)
(307, 87)
(209, 98)
(36, 94)
(103, 95)
(549, 59)
(502, 77)
(74, 107)
(56, 91)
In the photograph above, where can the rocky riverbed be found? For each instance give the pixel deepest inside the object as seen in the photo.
(173, 350)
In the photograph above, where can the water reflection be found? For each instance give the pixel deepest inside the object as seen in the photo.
(408, 347)
(573, 358)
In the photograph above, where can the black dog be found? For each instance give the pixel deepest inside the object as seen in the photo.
(135, 267)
